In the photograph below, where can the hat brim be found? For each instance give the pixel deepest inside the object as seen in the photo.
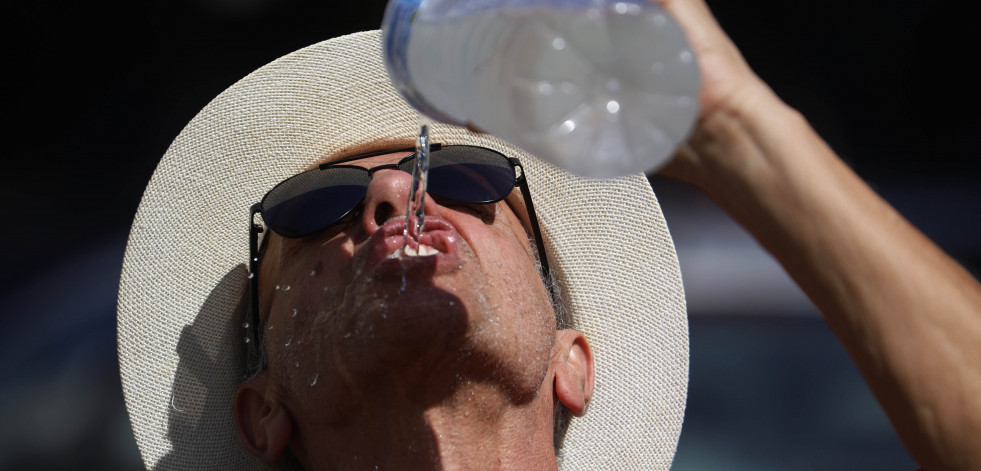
(184, 274)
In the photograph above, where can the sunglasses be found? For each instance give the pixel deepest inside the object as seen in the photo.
(317, 199)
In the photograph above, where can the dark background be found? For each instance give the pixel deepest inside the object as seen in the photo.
(96, 91)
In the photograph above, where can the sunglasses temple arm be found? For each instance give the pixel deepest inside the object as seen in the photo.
(533, 218)
(252, 317)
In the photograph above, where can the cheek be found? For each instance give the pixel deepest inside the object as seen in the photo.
(308, 282)
(311, 271)
(302, 340)
(514, 271)
(510, 246)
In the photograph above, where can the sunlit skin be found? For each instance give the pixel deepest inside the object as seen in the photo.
(446, 361)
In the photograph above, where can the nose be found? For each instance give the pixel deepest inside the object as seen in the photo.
(386, 198)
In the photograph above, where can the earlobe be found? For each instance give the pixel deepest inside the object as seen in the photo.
(264, 424)
(573, 371)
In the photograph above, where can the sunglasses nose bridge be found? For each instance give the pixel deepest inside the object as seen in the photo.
(372, 170)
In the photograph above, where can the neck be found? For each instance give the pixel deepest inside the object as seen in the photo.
(475, 427)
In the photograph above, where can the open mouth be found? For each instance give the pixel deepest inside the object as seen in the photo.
(437, 237)
(437, 244)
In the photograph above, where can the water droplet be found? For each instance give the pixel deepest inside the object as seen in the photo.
(347, 335)
(245, 325)
(452, 303)
(567, 127)
(558, 44)
(296, 364)
(313, 272)
(278, 287)
(685, 56)
(286, 287)
(620, 7)
(270, 327)
(612, 106)
(295, 310)
(288, 342)
(246, 340)
(251, 275)
(545, 88)
(314, 381)
(255, 259)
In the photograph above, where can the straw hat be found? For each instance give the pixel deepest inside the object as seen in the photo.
(183, 287)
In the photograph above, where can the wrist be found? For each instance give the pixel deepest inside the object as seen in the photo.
(746, 141)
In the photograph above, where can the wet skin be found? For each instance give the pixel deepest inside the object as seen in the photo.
(349, 327)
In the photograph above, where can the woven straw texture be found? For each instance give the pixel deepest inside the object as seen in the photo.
(183, 282)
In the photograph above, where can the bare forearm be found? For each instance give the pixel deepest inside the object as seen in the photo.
(908, 314)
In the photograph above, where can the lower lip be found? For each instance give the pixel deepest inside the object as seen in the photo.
(417, 267)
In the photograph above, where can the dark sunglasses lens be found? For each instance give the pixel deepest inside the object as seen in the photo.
(313, 200)
(470, 174)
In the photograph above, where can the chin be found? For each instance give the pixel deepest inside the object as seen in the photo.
(401, 328)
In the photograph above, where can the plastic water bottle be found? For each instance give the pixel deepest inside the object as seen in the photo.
(599, 87)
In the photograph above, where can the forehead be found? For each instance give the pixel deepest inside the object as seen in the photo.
(366, 162)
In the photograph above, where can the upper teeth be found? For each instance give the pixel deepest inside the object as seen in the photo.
(422, 251)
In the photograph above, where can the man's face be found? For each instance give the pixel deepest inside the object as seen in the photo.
(343, 314)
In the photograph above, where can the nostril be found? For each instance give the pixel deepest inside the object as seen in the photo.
(383, 212)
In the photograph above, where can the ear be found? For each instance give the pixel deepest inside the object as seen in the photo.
(573, 362)
(264, 424)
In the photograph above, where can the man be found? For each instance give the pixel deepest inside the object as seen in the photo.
(361, 378)
(365, 362)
